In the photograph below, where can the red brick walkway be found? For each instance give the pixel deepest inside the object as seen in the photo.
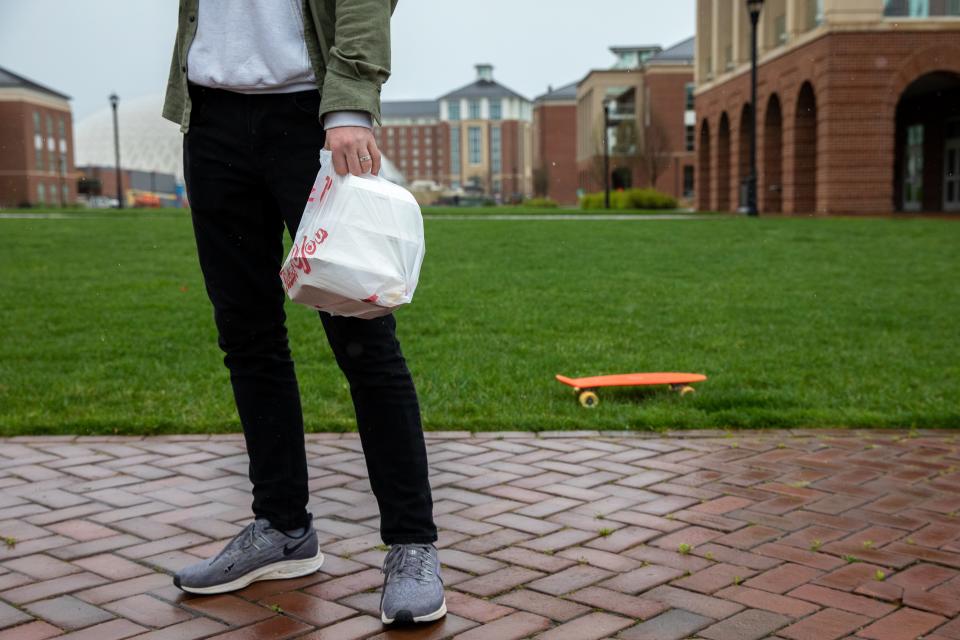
(799, 535)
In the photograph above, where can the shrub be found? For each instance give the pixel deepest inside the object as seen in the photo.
(630, 199)
(592, 201)
(540, 203)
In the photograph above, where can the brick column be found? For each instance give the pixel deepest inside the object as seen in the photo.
(788, 193)
(855, 157)
(856, 120)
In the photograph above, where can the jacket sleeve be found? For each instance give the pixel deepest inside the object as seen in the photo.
(359, 60)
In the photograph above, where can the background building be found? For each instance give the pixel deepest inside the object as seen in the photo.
(649, 94)
(36, 144)
(490, 137)
(555, 144)
(476, 138)
(140, 188)
(858, 107)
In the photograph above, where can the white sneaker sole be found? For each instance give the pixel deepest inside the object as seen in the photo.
(275, 571)
(428, 617)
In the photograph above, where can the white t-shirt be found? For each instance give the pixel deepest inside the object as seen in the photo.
(252, 46)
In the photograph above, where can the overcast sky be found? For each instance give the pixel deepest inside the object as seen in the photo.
(88, 49)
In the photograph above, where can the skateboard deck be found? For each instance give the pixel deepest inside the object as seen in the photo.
(583, 386)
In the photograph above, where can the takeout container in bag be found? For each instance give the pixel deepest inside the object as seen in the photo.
(359, 247)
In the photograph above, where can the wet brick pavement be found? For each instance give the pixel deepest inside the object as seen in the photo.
(582, 535)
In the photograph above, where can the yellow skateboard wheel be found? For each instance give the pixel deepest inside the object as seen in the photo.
(588, 399)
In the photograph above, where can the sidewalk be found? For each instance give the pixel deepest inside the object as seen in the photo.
(578, 535)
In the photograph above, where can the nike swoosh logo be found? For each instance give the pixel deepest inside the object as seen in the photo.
(287, 549)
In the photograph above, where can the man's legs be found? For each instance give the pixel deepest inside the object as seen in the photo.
(239, 234)
(250, 162)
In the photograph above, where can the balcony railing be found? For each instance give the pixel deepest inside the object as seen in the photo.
(921, 8)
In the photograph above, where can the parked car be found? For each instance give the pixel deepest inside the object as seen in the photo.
(102, 202)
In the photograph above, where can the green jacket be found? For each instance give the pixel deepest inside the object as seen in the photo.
(349, 46)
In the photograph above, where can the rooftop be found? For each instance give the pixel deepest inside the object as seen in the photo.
(10, 79)
(566, 92)
(681, 53)
(410, 109)
(483, 87)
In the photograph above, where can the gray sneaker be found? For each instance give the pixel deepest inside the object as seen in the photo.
(412, 588)
(259, 552)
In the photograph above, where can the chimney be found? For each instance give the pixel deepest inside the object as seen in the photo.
(484, 72)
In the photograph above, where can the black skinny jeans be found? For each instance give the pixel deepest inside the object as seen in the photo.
(249, 163)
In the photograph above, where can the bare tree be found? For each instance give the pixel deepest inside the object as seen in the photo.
(654, 153)
(596, 165)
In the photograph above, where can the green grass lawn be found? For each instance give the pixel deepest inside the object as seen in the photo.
(542, 211)
(105, 326)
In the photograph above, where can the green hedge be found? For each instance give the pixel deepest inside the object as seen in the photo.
(630, 199)
(540, 203)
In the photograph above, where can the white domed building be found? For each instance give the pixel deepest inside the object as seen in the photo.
(148, 142)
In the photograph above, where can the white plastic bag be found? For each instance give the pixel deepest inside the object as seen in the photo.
(359, 246)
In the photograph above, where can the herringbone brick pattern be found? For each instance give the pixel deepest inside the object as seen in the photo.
(579, 535)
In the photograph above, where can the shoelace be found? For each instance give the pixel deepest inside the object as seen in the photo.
(408, 561)
(244, 540)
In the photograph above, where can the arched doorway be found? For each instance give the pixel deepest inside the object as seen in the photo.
(621, 178)
(743, 155)
(703, 168)
(805, 152)
(723, 164)
(927, 148)
(771, 197)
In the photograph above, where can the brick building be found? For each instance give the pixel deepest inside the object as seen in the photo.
(555, 144)
(476, 138)
(858, 106)
(415, 140)
(649, 93)
(36, 144)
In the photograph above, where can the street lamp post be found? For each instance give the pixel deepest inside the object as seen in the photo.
(606, 155)
(753, 7)
(114, 100)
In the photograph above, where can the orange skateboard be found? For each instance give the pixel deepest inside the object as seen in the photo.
(584, 386)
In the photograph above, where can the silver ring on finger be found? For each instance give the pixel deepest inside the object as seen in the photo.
(365, 158)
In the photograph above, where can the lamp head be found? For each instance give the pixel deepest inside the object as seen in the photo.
(754, 6)
(114, 99)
